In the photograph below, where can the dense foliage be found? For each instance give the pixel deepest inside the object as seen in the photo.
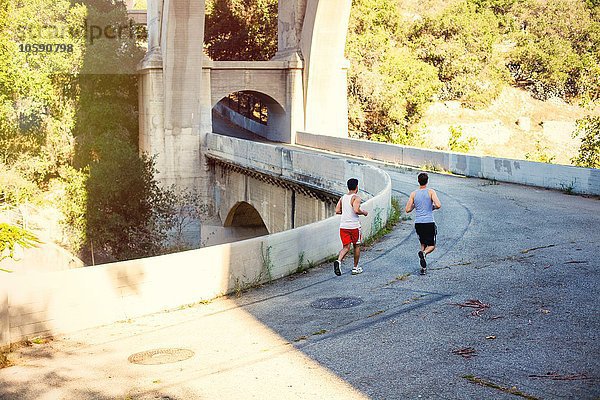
(588, 129)
(557, 49)
(241, 29)
(467, 52)
(69, 126)
(388, 85)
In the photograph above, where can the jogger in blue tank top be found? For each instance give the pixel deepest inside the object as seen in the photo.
(424, 201)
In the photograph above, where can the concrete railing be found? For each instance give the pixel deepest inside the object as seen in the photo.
(552, 176)
(64, 301)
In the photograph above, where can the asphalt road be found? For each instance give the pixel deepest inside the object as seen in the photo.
(529, 256)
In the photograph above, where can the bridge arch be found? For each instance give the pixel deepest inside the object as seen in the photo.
(269, 116)
(244, 215)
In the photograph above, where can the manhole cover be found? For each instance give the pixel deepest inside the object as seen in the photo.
(160, 356)
(333, 303)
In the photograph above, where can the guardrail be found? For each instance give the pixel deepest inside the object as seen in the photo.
(64, 301)
(551, 176)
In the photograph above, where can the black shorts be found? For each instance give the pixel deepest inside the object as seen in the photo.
(427, 233)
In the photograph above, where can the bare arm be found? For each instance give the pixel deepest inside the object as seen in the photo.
(338, 207)
(434, 198)
(356, 206)
(410, 204)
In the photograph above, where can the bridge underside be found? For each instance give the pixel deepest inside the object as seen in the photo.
(247, 198)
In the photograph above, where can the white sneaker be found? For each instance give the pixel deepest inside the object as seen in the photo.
(357, 270)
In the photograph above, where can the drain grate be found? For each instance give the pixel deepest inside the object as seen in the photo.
(333, 303)
(160, 356)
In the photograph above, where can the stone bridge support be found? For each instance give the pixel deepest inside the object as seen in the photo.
(174, 100)
(304, 86)
(249, 199)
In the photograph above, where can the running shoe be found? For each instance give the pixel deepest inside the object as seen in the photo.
(357, 270)
(423, 263)
(337, 267)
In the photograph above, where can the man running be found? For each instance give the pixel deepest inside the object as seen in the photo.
(349, 207)
(424, 201)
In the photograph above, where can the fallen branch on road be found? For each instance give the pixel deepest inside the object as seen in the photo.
(473, 303)
(466, 352)
(557, 377)
(511, 390)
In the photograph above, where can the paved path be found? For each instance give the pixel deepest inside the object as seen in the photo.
(530, 254)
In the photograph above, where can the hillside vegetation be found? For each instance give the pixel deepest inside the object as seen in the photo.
(69, 131)
(407, 55)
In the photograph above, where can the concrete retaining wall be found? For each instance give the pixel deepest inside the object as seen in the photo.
(243, 122)
(59, 302)
(552, 176)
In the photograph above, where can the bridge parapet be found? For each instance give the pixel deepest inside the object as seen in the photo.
(551, 176)
(316, 170)
(288, 187)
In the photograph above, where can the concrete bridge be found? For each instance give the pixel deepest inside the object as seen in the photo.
(303, 87)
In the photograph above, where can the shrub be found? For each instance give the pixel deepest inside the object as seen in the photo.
(457, 143)
(558, 49)
(11, 236)
(588, 129)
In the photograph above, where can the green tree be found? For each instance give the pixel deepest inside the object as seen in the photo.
(588, 130)
(35, 113)
(558, 49)
(241, 29)
(388, 87)
(126, 211)
(457, 143)
(126, 208)
(459, 43)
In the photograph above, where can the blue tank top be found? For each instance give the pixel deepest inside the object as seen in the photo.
(423, 207)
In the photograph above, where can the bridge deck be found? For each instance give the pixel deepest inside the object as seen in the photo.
(530, 254)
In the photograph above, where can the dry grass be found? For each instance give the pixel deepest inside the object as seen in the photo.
(512, 104)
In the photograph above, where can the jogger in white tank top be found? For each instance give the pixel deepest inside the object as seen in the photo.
(349, 207)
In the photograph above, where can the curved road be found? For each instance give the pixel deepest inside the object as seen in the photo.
(529, 255)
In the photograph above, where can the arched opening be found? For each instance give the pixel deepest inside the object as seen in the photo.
(242, 222)
(243, 215)
(250, 115)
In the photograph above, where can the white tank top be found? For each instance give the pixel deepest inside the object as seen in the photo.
(349, 218)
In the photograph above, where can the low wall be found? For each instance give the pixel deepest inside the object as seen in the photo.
(64, 301)
(552, 176)
(243, 122)
(45, 257)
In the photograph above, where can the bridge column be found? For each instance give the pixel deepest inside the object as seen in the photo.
(151, 89)
(294, 99)
(182, 50)
(175, 93)
(325, 67)
(290, 16)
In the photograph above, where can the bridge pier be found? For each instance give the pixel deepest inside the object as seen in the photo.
(305, 84)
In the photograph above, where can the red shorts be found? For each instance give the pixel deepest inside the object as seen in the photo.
(348, 236)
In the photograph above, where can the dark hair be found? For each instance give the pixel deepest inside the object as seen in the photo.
(352, 183)
(423, 178)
